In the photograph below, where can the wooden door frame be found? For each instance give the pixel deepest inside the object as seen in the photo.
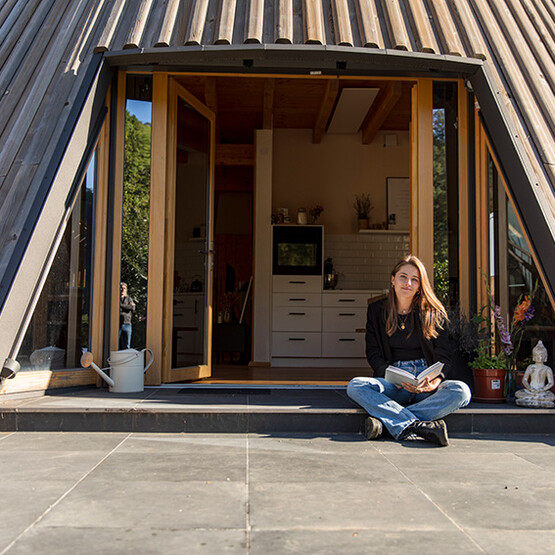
(204, 370)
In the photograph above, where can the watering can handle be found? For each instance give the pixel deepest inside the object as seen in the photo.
(151, 358)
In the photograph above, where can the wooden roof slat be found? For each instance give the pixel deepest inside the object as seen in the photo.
(425, 33)
(284, 21)
(168, 23)
(254, 21)
(9, 15)
(398, 35)
(369, 25)
(19, 34)
(313, 22)
(469, 28)
(521, 51)
(110, 27)
(138, 25)
(534, 40)
(545, 15)
(224, 30)
(342, 23)
(519, 89)
(18, 76)
(447, 28)
(539, 25)
(196, 23)
(328, 102)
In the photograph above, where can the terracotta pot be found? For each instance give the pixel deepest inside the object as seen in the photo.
(363, 223)
(489, 385)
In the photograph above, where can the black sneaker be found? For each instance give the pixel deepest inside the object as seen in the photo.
(434, 431)
(373, 428)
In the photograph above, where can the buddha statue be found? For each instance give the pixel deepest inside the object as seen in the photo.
(537, 381)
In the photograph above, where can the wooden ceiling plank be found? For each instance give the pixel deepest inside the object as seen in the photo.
(284, 22)
(254, 22)
(328, 102)
(369, 24)
(110, 26)
(469, 28)
(234, 155)
(313, 22)
(169, 23)
(268, 114)
(424, 31)
(224, 30)
(383, 105)
(196, 23)
(342, 23)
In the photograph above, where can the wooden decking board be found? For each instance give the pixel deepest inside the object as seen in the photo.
(9, 14)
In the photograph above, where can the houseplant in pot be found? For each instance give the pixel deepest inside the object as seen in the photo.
(362, 206)
(490, 373)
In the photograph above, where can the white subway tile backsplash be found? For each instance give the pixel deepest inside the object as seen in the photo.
(365, 260)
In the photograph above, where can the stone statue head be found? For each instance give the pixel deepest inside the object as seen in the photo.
(539, 352)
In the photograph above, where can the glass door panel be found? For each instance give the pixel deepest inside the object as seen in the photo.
(191, 306)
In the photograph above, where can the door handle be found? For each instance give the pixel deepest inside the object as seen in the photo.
(209, 251)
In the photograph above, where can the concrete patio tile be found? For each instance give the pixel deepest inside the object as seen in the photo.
(356, 542)
(171, 505)
(510, 507)
(337, 505)
(295, 460)
(444, 465)
(178, 443)
(213, 464)
(517, 541)
(47, 465)
(115, 541)
(61, 441)
(25, 501)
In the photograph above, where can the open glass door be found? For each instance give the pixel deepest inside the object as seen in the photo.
(189, 269)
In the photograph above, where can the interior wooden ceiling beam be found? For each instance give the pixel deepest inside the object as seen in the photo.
(379, 111)
(234, 155)
(328, 102)
(268, 116)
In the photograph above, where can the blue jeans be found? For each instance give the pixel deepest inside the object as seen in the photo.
(125, 336)
(397, 408)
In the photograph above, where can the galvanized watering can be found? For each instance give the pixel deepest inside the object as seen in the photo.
(127, 369)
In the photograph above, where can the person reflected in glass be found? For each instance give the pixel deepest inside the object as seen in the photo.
(126, 309)
(408, 329)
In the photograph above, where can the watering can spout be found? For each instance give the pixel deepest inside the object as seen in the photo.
(87, 360)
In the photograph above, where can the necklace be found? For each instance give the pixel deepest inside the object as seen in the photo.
(403, 320)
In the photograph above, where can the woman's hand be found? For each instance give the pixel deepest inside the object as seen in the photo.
(425, 387)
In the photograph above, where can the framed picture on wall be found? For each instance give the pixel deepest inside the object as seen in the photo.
(398, 203)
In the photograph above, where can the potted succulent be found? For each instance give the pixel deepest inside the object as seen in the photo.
(362, 206)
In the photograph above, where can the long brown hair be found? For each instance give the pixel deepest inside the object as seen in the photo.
(433, 316)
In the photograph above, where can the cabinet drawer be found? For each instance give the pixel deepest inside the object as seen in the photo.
(291, 318)
(297, 284)
(350, 345)
(296, 344)
(297, 299)
(337, 298)
(343, 319)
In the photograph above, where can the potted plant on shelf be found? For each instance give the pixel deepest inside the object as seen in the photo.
(490, 373)
(362, 206)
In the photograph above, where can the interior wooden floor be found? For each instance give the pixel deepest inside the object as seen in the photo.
(242, 374)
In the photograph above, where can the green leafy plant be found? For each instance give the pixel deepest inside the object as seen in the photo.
(486, 359)
(362, 206)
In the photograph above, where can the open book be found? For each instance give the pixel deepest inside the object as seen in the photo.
(397, 376)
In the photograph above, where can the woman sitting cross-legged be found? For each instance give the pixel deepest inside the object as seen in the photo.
(408, 329)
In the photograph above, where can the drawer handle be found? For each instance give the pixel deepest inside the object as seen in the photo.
(297, 339)
(347, 314)
(297, 314)
(298, 300)
(297, 282)
(346, 300)
(346, 339)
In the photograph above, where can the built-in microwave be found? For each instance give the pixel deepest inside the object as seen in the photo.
(297, 250)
